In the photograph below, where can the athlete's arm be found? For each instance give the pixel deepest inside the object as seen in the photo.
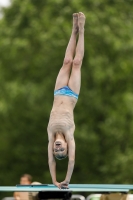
(51, 159)
(71, 159)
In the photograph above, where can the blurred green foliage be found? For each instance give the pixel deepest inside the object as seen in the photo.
(33, 38)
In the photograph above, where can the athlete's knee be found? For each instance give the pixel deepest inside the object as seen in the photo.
(77, 62)
(67, 61)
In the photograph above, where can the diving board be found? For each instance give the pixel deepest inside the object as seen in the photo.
(100, 188)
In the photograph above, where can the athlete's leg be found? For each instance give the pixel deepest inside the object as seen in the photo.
(75, 78)
(64, 73)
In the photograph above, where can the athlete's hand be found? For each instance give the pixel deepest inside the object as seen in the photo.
(64, 185)
(57, 184)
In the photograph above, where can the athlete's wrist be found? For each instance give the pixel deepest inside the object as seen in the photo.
(54, 182)
(67, 181)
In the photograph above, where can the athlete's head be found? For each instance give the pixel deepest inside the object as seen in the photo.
(26, 179)
(60, 149)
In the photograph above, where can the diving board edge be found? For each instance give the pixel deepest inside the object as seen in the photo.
(72, 187)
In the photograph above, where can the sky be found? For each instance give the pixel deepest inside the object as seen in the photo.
(4, 3)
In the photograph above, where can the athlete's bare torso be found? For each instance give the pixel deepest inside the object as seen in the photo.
(61, 116)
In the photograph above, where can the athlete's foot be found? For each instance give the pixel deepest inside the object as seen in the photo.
(75, 23)
(81, 21)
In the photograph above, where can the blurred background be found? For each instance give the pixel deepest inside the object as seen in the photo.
(33, 38)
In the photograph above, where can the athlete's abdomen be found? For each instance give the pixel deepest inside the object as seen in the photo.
(61, 120)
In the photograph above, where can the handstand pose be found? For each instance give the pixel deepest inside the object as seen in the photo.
(61, 123)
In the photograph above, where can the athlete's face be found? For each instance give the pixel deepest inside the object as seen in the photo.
(60, 148)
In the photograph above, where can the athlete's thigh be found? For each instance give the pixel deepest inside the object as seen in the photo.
(75, 80)
(63, 77)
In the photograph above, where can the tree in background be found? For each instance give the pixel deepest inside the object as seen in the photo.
(33, 38)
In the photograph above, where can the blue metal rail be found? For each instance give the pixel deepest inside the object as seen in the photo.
(72, 187)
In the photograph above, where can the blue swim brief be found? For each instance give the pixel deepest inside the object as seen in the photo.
(65, 91)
